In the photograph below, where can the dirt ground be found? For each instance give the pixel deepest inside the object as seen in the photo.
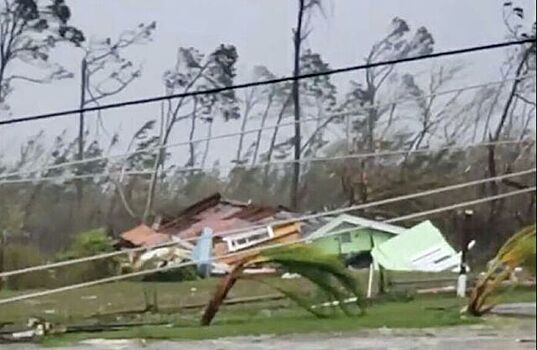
(498, 333)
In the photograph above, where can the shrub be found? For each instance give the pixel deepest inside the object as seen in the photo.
(18, 256)
(87, 244)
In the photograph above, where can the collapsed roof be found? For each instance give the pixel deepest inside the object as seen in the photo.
(214, 211)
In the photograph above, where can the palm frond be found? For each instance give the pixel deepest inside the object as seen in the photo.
(325, 272)
(517, 251)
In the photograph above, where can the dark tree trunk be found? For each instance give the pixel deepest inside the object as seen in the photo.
(27, 211)
(260, 132)
(222, 289)
(159, 161)
(273, 140)
(207, 144)
(2, 73)
(192, 147)
(492, 167)
(276, 129)
(247, 110)
(110, 216)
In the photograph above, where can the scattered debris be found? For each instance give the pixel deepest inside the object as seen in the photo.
(523, 340)
(420, 248)
(516, 309)
(436, 290)
(37, 328)
(335, 303)
(110, 343)
(3, 324)
(216, 214)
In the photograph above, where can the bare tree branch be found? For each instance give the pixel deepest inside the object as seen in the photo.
(524, 99)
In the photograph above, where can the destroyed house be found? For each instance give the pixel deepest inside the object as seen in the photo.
(229, 221)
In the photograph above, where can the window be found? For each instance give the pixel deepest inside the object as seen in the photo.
(345, 237)
(248, 239)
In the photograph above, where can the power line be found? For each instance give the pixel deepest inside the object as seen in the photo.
(366, 155)
(267, 82)
(250, 131)
(269, 163)
(69, 178)
(277, 222)
(464, 204)
(256, 249)
(383, 201)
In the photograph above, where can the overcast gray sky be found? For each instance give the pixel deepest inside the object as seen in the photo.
(261, 31)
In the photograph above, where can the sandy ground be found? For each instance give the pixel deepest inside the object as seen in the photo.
(497, 333)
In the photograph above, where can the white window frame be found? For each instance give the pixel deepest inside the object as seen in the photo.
(250, 239)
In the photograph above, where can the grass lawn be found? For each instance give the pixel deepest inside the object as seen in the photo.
(267, 317)
(282, 317)
(255, 320)
(123, 296)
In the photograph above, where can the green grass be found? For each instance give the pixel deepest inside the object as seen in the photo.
(269, 317)
(240, 321)
(516, 295)
(122, 296)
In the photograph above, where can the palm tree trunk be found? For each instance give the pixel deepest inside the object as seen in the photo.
(222, 290)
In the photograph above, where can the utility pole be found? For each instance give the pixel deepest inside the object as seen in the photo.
(466, 233)
(2, 250)
(81, 126)
(297, 41)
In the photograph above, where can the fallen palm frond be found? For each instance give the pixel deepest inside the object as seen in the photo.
(518, 251)
(327, 273)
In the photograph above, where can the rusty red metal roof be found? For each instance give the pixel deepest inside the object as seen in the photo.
(143, 235)
(215, 212)
(219, 214)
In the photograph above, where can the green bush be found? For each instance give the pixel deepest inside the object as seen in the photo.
(87, 244)
(18, 256)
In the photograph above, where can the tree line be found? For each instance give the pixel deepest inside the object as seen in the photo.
(380, 109)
